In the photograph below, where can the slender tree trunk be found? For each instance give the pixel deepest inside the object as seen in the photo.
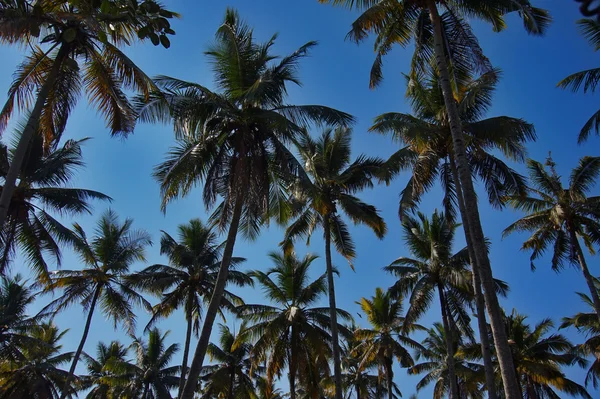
(589, 279)
(389, 377)
(490, 375)
(503, 352)
(231, 384)
(337, 369)
(449, 345)
(30, 129)
(215, 301)
(358, 392)
(86, 330)
(186, 348)
(293, 365)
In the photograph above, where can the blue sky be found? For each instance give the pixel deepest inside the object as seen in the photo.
(336, 74)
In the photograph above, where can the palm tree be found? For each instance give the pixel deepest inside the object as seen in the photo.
(436, 270)
(538, 358)
(588, 323)
(231, 376)
(81, 53)
(590, 28)
(43, 188)
(429, 153)
(447, 42)
(15, 297)
(189, 279)
(560, 216)
(234, 142)
(37, 373)
(107, 258)
(153, 375)
(109, 374)
(387, 338)
(434, 362)
(334, 181)
(292, 331)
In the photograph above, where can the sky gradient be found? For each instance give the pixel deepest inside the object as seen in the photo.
(336, 74)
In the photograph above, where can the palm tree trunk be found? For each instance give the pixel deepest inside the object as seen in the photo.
(488, 365)
(186, 348)
(215, 301)
(337, 369)
(357, 391)
(86, 330)
(231, 384)
(482, 262)
(389, 378)
(589, 279)
(30, 129)
(292, 366)
(449, 345)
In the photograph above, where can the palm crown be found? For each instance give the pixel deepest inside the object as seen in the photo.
(428, 147)
(292, 331)
(43, 189)
(83, 40)
(235, 140)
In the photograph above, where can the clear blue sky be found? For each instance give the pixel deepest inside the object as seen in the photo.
(336, 74)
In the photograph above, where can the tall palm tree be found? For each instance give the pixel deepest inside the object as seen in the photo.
(291, 331)
(447, 42)
(232, 374)
(109, 373)
(436, 270)
(588, 323)
(15, 298)
(435, 363)
(81, 53)
(334, 181)
(189, 279)
(539, 357)
(154, 378)
(588, 79)
(387, 338)
(561, 216)
(429, 152)
(37, 373)
(43, 189)
(234, 142)
(106, 259)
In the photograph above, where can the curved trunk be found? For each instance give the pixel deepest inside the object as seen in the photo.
(86, 330)
(191, 382)
(589, 279)
(337, 369)
(449, 345)
(389, 378)
(186, 348)
(30, 129)
(511, 388)
(490, 375)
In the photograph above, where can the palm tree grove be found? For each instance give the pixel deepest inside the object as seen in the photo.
(319, 199)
